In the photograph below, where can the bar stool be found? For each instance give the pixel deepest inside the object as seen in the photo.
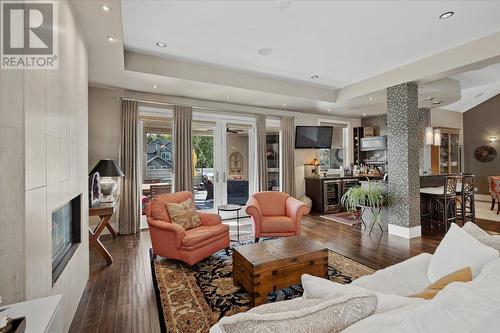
(447, 202)
(493, 192)
(465, 202)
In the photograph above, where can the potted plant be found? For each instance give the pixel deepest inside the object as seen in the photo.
(373, 197)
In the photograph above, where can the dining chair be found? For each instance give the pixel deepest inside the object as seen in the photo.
(465, 201)
(447, 202)
(493, 192)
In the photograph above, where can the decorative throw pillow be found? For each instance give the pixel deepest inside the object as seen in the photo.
(489, 240)
(458, 249)
(184, 214)
(462, 275)
(325, 316)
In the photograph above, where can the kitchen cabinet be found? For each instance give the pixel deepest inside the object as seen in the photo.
(445, 157)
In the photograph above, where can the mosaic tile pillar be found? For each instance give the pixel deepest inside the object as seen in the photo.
(403, 158)
(424, 120)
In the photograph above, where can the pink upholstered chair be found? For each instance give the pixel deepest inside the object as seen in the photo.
(494, 192)
(275, 214)
(171, 241)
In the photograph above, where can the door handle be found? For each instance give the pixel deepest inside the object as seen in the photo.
(224, 177)
(216, 176)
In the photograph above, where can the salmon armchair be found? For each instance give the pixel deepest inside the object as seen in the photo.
(275, 214)
(172, 241)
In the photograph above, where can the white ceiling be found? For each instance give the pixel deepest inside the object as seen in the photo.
(341, 41)
(477, 87)
(358, 48)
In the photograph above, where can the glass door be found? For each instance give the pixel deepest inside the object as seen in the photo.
(224, 159)
(204, 157)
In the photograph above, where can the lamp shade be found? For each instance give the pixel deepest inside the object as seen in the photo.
(107, 168)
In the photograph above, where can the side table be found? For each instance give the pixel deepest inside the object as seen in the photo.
(232, 208)
(105, 211)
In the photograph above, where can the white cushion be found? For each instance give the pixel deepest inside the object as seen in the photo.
(475, 231)
(405, 278)
(319, 288)
(457, 250)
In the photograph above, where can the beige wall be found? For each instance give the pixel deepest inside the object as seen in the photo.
(44, 165)
(480, 123)
(445, 118)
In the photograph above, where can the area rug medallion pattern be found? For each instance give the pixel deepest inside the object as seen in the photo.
(192, 299)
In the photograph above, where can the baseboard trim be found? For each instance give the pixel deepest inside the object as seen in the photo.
(482, 197)
(404, 232)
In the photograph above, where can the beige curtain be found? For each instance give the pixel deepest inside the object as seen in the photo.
(183, 165)
(261, 152)
(129, 219)
(288, 146)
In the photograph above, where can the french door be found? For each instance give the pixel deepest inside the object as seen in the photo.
(224, 150)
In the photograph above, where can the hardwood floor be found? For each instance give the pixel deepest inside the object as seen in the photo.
(120, 298)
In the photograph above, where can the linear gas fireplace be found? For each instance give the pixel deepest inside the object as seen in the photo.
(66, 226)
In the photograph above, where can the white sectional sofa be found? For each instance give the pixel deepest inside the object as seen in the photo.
(460, 307)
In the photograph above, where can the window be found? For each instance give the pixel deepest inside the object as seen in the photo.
(166, 155)
(334, 158)
(273, 159)
(151, 167)
(164, 168)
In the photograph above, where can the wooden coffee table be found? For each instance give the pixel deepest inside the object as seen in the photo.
(267, 266)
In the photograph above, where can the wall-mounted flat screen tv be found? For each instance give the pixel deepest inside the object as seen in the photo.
(313, 137)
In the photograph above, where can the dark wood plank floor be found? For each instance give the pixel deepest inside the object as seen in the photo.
(120, 298)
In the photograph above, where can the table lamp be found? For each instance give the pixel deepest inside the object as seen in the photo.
(107, 168)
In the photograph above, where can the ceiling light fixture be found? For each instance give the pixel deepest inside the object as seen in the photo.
(284, 104)
(329, 110)
(446, 15)
(430, 99)
(493, 139)
(161, 44)
(111, 39)
(364, 114)
(264, 51)
(371, 99)
(105, 8)
(283, 4)
(227, 96)
(314, 77)
(155, 86)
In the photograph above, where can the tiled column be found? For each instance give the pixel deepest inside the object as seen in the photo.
(424, 120)
(403, 158)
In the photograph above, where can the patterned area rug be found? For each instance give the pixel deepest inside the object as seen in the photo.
(192, 299)
(349, 218)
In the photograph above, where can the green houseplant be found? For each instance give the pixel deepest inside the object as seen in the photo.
(372, 196)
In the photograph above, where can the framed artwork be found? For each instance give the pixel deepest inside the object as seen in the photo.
(485, 153)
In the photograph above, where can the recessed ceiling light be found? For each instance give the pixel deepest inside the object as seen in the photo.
(282, 4)
(111, 39)
(446, 15)
(284, 104)
(364, 114)
(105, 8)
(329, 110)
(430, 99)
(161, 44)
(436, 102)
(314, 77)
(371, 99)
(227, 96)
(264, 51)
(155, 86)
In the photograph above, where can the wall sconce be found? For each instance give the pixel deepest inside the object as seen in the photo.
(493, 139)
(429, 136)
(437, 137)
